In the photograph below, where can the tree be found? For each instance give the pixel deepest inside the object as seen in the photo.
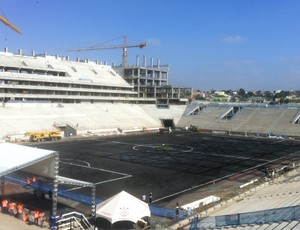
(249, 94)
(199, 98)
(242, 92)
(269, 96)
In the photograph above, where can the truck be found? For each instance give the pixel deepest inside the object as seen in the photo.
(43, 136)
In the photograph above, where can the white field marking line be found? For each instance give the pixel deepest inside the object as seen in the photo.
(221, 178)
(14, 179)
(235, 157)
(102, 182)
(124, 175)
(99, 169)
(277, 142)
(123, 143)
(111, 180)
(153, 146)
(76, 188)
(134, 145)
(69, 159)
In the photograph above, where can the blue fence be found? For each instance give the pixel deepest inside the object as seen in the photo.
(194, 223)
(260, 217)
(87, 200)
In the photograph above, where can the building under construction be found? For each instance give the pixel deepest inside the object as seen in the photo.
(152, 81)
(149, 80)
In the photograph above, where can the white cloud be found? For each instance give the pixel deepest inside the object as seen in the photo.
(232, 39)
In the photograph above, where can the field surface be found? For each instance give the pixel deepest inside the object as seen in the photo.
(171, 166)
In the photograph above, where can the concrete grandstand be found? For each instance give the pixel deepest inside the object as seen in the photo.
(85, 118)
(118, 117)
(248, 119)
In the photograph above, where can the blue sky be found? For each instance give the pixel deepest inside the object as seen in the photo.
(209, 44)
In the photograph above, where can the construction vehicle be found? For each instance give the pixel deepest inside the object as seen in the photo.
(164, 130)
(43, 136)
(193, 128)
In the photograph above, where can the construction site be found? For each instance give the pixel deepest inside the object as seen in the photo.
(89, 132)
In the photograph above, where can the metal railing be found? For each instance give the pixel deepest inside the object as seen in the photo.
(73, 220)
(260, 217)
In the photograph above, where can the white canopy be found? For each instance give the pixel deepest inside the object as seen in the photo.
(33, 160)
(122, 207)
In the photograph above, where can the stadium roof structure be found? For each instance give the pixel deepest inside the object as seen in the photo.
(32, 160)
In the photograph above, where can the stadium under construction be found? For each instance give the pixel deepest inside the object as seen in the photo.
(209, 149)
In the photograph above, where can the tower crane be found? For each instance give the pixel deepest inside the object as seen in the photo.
(124, 47)
(9, 24)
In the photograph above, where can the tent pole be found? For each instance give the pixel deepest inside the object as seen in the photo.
(2, 185)
(55, 185)
(94, 204)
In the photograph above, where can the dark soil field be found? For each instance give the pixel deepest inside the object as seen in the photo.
(177, 167)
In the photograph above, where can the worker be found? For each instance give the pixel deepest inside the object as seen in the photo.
(50, 194)
(33, 180)
(52, 221)
(11, 208)
(25, 218)
(150, 197)
(20, 211)
(4, 205)
(42, 218)
(28, 183)
(36, 214)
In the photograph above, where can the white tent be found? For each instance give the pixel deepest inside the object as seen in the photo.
(123, 207)
(38, 162)
(33, 160)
